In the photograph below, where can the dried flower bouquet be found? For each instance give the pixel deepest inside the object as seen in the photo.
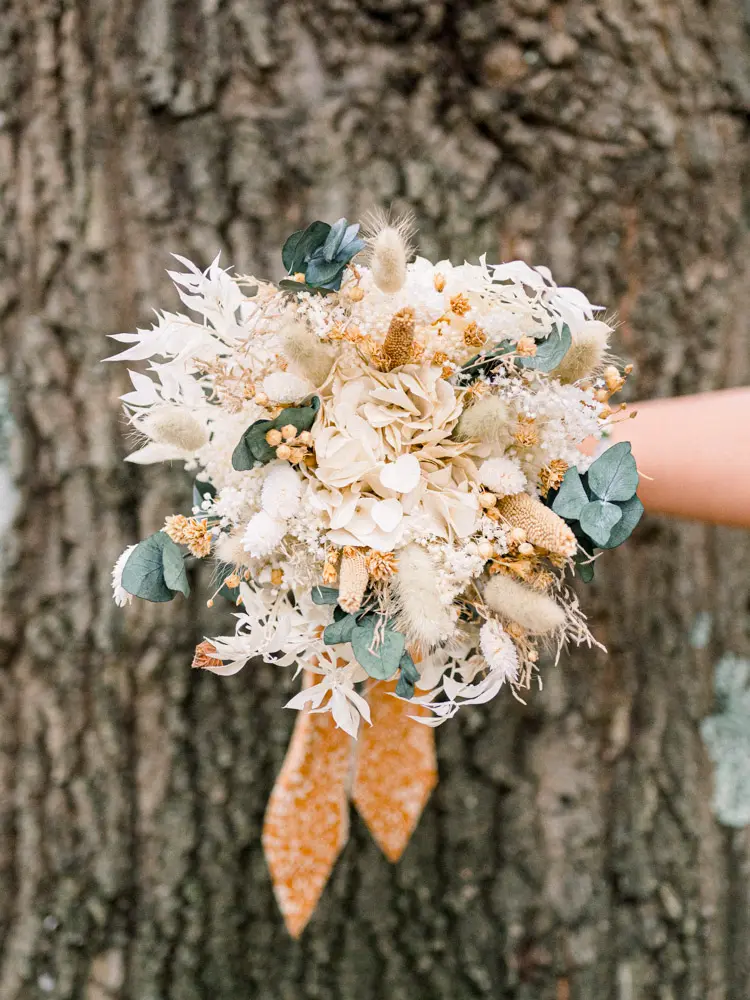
(387, 466)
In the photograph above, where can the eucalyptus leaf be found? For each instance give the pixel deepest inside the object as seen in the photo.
(572, 496)
(324, 595)
(584, 567)
(289, 251)
(632, 511)
(304, 245)
(321, 272)
(408, 677)
(173, 566)
(484, 363)
(143, 574)
(339, 631)
(405, 687)
(349, 250)
(598, 518)
(351, 239)
(549, 352)
(380, 661)
(301, 417)
(407, 667)
(334, 239)
(253, 447)
(614, 475)
(290, 285)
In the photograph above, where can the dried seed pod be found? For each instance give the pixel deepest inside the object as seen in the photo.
(542, 526)
(398, 340)
(353, 578)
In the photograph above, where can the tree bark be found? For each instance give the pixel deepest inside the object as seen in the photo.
(569, 852)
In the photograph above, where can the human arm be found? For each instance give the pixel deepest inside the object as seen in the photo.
(693, 454)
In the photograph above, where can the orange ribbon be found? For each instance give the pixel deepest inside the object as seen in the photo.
(307, 819)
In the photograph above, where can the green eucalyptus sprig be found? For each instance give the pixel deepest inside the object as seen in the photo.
(378, 647)
(549, 353)
(601, 505)
(321, 253)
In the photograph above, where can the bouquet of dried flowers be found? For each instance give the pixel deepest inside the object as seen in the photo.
(387, 466)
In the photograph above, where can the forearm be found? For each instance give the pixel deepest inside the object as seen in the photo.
(693, 453)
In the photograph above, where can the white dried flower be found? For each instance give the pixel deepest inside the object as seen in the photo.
(263, 534)
(389, 246)
(503, 476)
(423, 617)
(488, 420)
(120, 595)
(305, 352)
(587, 352)
(531, 609)
(281, 491)
(175, 426)
(285, 387)
(499, 650)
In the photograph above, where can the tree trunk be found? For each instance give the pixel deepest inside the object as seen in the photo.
(569, 852)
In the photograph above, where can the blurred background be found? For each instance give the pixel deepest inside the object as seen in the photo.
(572, 850)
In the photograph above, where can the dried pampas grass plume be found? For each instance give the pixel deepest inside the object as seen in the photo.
(305, 352)
(532, 610)
(587, 353)
(542, 526)
(487, 421)
(352, 581)
(176, 427)
(389, 247)
(423, 616)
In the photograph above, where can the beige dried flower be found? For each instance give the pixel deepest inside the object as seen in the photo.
(519, 604)
(398, 340)
(203, 657)
(542, 526)
(586, 353)
(474, 336)
(330, 572)
(438, 281)
(552, 475)
(175, 527)
(526, 347)
(189, 531)
(460, 305)
(525, 434)
(380, 565)
(353, 577)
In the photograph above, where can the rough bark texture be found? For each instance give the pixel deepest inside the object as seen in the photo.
(569, 852)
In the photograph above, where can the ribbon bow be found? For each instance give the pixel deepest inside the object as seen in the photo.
(389, 774)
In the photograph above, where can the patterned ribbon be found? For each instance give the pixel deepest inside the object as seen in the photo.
(307, 820)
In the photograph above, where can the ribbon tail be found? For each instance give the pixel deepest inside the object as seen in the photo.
(396, 770)
(307, 818)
